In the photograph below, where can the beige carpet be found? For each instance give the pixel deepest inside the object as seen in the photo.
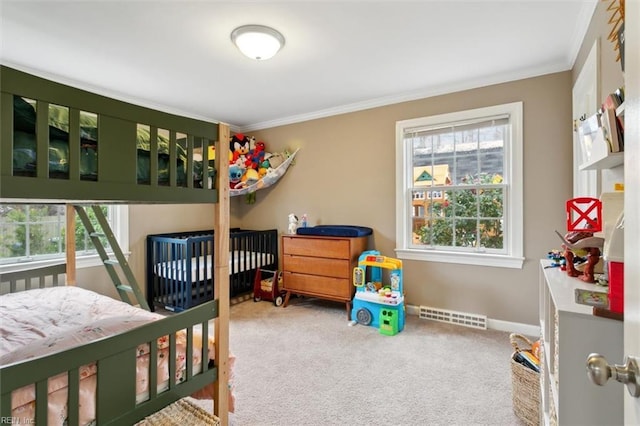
(304, 365)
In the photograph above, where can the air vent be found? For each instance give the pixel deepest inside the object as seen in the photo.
(460, 318)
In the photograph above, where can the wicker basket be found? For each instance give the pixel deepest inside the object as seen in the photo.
(525, 385)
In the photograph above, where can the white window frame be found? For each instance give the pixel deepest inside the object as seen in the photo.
(120, 228)
(514, 230)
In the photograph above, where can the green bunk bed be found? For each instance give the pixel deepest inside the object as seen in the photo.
(64, 145)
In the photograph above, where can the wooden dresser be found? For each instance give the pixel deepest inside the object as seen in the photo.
(320, 266)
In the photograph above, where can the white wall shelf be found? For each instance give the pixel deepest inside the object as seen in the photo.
(608, 161)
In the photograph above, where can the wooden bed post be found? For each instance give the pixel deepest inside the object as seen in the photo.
(221, 276)
(70, 244)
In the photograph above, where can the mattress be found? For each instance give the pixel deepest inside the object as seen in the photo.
(43, 321)
(201, 268)
(336, 230)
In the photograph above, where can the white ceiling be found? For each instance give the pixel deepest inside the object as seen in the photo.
(339, 56)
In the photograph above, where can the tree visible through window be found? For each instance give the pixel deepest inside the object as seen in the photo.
(460, 187)
(38, 232)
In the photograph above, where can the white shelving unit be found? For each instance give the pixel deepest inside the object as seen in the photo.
(570, 332)
(602, 158)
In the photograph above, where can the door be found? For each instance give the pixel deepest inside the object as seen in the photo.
(632, 198)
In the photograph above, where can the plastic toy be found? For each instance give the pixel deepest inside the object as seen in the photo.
(376, 304)
(584, 214)
(557, 259)
(267, 286)
(293, 223)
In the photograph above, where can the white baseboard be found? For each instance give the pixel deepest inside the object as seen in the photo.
(492, 324)
(413, 310)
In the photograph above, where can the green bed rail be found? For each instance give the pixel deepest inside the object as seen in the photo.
(47, 276)
(59, 142)
(116, 360)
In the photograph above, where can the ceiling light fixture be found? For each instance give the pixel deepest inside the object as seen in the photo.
(257, 41)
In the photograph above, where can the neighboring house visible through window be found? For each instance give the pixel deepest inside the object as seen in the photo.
(36, 233)
(459, 187)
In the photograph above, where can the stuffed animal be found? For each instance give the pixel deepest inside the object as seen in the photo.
(293, 223)
(249, 177)
(256, 156)
(275, 160)
(239, 147)
(235, 176)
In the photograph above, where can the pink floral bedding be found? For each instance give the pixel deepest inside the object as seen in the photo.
(44, 321)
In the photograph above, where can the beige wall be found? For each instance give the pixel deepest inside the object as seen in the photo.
(344, 174)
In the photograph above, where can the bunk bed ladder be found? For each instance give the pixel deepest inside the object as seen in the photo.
(124, 290)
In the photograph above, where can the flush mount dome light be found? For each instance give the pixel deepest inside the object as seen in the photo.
(257, 41)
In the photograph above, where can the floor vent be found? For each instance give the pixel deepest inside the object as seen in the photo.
(460, 318)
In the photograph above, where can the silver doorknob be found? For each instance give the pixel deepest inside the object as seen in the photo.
(599, 371)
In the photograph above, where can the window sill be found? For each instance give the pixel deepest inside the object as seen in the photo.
(87, 261)
(478, 259)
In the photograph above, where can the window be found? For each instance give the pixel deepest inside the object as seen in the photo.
(459, 189)
(36, 233)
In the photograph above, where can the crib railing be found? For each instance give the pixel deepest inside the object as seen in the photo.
(179, 265)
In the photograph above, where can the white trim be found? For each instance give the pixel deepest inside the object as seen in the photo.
(87, 261)
(466, 258)
(583, 19)
(407, 97)
(82, 261)
(514, 215)
(514, 327)
(121, 226)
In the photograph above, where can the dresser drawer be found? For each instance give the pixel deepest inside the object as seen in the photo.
(313, 285)
(332, 248)
(337, 268)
